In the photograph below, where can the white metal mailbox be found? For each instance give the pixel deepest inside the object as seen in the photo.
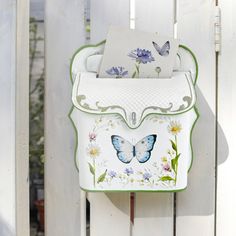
(133, 134)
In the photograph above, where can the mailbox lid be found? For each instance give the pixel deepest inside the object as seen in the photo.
(134, 99)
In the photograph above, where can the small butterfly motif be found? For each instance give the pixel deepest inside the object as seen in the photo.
(164, 50)
(127, 151)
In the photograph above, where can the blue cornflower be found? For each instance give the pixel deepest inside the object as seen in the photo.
(129, 171)
(118, 71)
(112, 174)
(147, 176)
(141, 55)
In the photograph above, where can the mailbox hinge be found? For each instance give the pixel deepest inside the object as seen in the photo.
(217, 25)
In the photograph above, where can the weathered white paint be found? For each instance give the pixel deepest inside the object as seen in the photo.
(195, 206)
(14, 63)
(155, 16)
(83, 213)
(109, 214)
(104, 13)
(107, 209)
(7, 117)
(65, 33)
(226, 188)
(22, 118)
(154, 212)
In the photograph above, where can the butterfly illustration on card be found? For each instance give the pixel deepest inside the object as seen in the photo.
(126, 151)
(164, 50)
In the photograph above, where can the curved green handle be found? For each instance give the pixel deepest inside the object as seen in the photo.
(194, 59)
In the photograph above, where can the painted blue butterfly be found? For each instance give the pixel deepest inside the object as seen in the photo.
(126, 151)
(164, 50)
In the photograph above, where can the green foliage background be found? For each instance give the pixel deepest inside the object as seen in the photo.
(36, 107)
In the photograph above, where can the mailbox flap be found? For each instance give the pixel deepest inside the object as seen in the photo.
(134, 99)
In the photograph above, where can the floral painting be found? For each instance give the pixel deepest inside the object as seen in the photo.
(171, 165)
(141, 56)
(137, 54)
(117, 72)
(93, 149)
(161, 171)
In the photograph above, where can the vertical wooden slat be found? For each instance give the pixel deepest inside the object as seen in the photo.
(195, 206)
(226, 188)
(109, 214)
(105, 13)
(83, 215)
(65, 33)
(155, 16)
(22, 118)
(154, 212)
(7, 116)
(108, 209)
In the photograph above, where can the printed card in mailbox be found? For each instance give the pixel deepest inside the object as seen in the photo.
(136, 54)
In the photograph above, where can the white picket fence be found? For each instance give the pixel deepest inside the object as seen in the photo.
(206, 208)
